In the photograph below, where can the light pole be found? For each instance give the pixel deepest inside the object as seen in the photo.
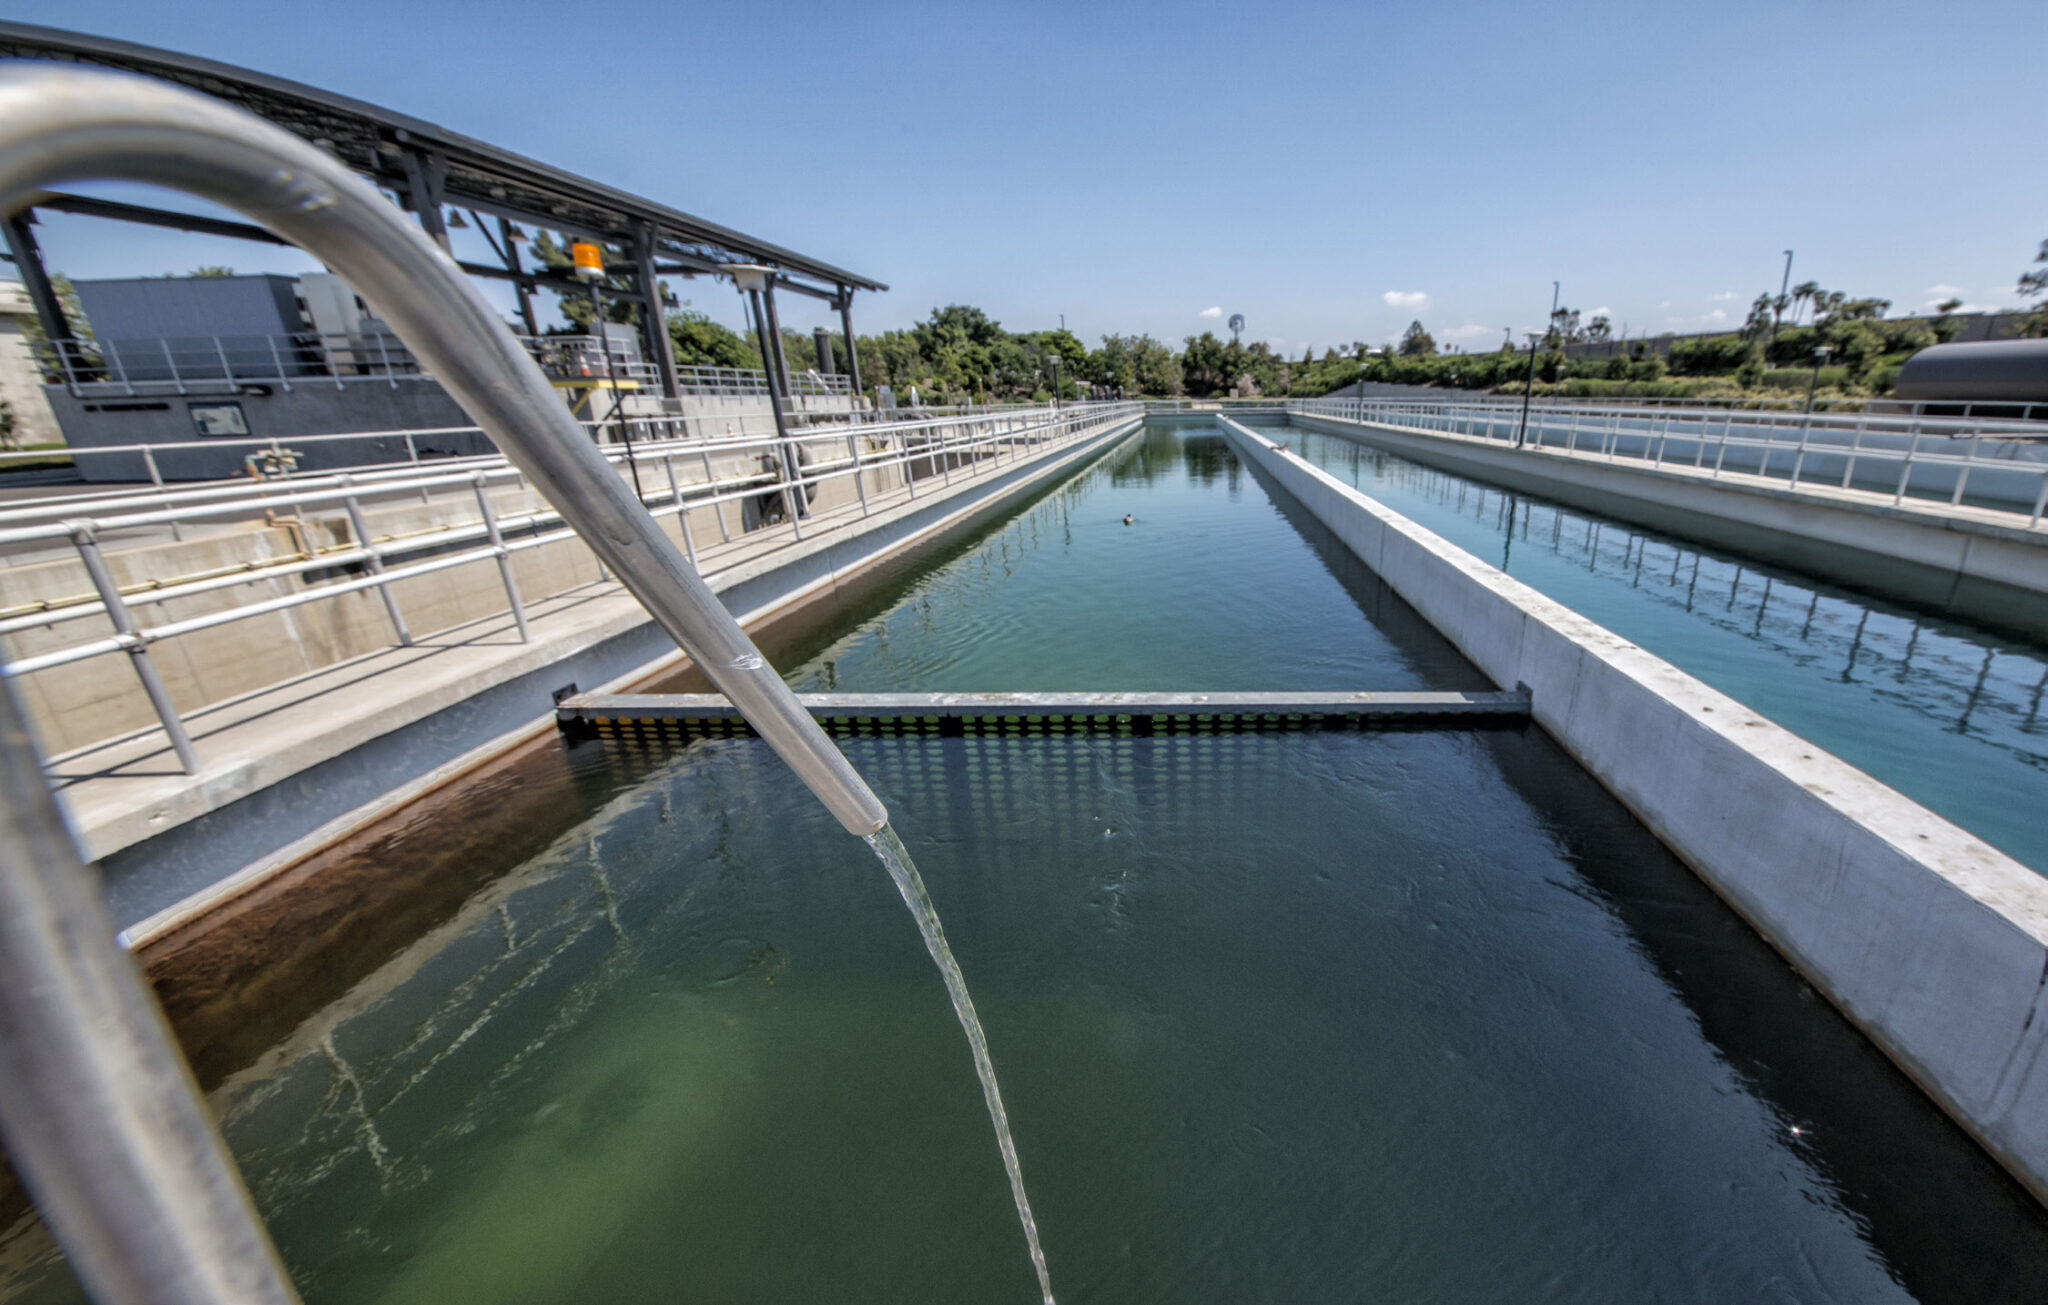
(1056, 375)
(1820, 360)
(1784, 286)
(1529, 388)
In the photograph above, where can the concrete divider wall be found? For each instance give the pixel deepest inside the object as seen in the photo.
(1931, 941)
(1916, 551)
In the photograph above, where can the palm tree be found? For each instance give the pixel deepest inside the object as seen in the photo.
(1802, 294)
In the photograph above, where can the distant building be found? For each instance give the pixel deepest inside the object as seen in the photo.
(213, 366)
(150, 308)
(21, 381)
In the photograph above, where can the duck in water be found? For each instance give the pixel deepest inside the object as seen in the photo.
(1129, 519)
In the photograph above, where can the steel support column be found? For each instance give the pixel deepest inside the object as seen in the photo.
(654, 334)
(792, 497)
(28, 260)
(423, 195)
(845, 306)
(519, 283)
(780, 363)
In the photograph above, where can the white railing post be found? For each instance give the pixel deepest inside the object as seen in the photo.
(133, 643)
(1963, 476)
(277, 364)
(375, 564)
(483, 503)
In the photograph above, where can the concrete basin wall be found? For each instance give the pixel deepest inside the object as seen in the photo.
(1953, 560)
(1931, 941)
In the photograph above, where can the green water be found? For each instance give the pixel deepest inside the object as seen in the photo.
(1319, 1016)
(1212, 586)
(1946, 712)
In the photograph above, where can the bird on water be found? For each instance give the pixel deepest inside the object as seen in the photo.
(1128, 518)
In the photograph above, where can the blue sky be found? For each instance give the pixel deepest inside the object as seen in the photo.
(1330, 171)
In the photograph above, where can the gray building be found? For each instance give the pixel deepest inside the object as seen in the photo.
(157, 307)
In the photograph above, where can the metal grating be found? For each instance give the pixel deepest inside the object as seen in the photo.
(646, 718)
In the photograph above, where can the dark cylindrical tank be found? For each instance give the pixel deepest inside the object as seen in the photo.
(1985, 371)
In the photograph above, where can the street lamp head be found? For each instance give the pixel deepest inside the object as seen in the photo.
(748, 276)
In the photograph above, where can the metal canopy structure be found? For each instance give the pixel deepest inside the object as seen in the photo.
(430, 169)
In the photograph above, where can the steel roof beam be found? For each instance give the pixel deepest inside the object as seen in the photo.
(358, 134)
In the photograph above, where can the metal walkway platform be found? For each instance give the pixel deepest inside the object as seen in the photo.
(645, 716)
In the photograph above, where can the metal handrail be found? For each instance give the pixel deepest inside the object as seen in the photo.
(1792, 447)
(100, 1113)
(649, 438)
(223, 364)
(2030, 412)
(955, 444)
(203, 364)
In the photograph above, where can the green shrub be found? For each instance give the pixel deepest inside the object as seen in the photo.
(1797, 379)
(1710, 356)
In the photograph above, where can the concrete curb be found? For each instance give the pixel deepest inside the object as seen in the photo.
(1932, 942)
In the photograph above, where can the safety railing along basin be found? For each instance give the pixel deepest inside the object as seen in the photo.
(677, 479)
(137, 366)
(1999, 466)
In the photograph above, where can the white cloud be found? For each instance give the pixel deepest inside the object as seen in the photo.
(1410, 299)
(1210, 314)
(1602, 311)
(1715, 318)
(1724, 296)
(1466, 332)
(1665, 304)
(1937, 293)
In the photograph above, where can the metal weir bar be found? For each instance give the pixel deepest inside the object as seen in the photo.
(668, 715)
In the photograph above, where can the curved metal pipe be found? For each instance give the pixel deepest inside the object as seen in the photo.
(100, 1113)
(60, 125)
(98, 1109)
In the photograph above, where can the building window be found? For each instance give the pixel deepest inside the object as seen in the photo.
(219, 419)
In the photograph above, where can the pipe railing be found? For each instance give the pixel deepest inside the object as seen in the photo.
(747, 381)
(648, 435)
(222, 364)
(941, 448)
(2029, 411)
(2000, 466)
(100, 1114)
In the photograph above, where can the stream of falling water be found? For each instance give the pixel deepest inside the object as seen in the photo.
(911, 884)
